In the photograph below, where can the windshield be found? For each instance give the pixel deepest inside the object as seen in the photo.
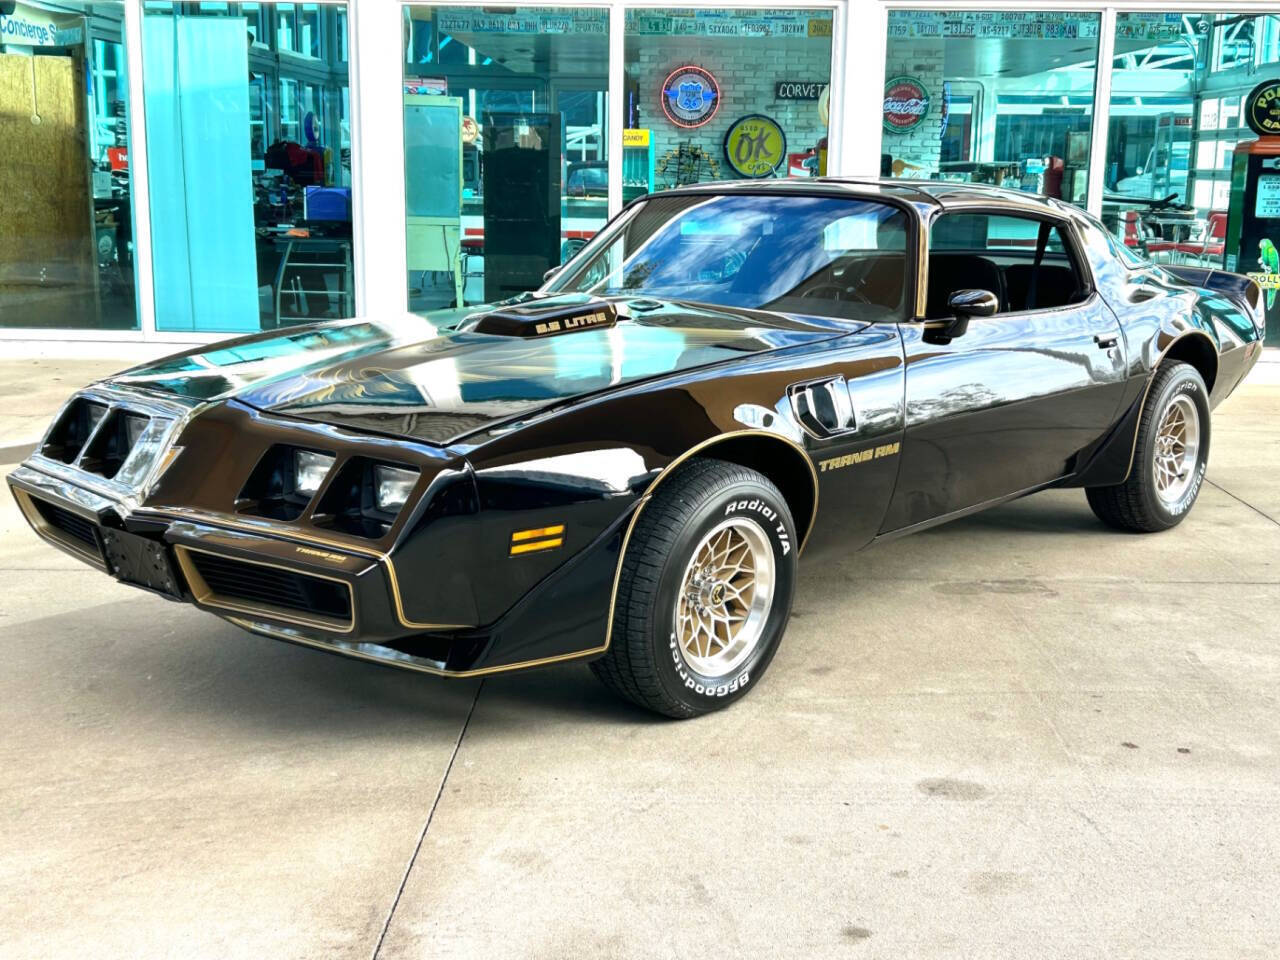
(818, 256)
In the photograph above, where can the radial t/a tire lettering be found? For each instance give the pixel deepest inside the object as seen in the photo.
(705, 591)
(1170, 456)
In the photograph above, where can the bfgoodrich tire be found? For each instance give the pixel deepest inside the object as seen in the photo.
(705, 591)
(1169, 457)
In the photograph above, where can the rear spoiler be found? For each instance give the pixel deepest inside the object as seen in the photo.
(1234, 286)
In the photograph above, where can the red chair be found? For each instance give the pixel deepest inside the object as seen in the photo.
(1211, 243)
(1134, 236)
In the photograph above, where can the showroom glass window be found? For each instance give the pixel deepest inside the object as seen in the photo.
(249, 164)
(66, 236)
(998, 97)
(724, 94)
(505, 129)
(1179, 80)
(1241, 52)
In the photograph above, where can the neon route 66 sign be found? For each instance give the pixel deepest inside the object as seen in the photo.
(690, 96)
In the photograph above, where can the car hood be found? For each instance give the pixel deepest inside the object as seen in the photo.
(432, 379)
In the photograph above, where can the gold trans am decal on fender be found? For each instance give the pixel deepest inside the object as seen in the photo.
(862, 456)
(322, 554)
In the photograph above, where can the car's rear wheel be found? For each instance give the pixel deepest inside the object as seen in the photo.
(1170, 456)
(705, 591)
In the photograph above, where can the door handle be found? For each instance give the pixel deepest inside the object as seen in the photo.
(1105, 341)
(823, 407)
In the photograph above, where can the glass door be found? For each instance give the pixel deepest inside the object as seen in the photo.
(528, 84)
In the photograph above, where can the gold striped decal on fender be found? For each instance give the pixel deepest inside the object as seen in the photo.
(538, 539)
(537, 534)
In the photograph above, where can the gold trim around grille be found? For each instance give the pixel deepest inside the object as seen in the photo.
(295, 536)
(48, 532)
(206, 596)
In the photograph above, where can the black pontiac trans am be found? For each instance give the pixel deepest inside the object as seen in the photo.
(626, 465)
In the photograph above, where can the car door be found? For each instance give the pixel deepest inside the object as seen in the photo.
(1012, 403)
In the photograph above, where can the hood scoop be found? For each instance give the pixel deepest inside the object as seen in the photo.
(535, 320)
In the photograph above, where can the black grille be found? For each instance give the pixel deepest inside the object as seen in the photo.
(271, 586)
(72, 524)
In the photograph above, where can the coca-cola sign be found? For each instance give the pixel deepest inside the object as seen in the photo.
(906, 104)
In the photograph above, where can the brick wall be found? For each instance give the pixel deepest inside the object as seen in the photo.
(747, 69)
(922, 145)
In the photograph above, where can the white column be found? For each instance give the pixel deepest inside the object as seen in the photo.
(139, 184)
(617, 101)
(377, 157)
(859, 100)
(988, 106)
(1101, 112)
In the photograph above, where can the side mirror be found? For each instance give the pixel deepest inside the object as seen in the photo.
(973, 303)
(965, 305)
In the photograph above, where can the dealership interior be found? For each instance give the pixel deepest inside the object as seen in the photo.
(509, 153)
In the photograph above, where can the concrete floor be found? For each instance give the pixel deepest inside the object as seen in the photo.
(1019, 735)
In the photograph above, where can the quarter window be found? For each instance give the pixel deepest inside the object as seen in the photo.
(1025, 262)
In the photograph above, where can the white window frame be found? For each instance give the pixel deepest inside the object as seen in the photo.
(147, 341)
(375, 65)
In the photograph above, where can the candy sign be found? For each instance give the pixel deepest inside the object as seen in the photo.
(906, 104)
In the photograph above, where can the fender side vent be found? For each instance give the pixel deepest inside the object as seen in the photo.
(531, 320)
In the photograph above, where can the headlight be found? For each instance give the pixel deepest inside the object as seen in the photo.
(392, 487)
(133, 427)
(309, 470)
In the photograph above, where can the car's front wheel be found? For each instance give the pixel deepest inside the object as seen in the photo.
(705, 591)
(1169, 458)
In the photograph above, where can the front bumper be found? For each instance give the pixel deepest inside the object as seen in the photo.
(160, 510)
(289, 589)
